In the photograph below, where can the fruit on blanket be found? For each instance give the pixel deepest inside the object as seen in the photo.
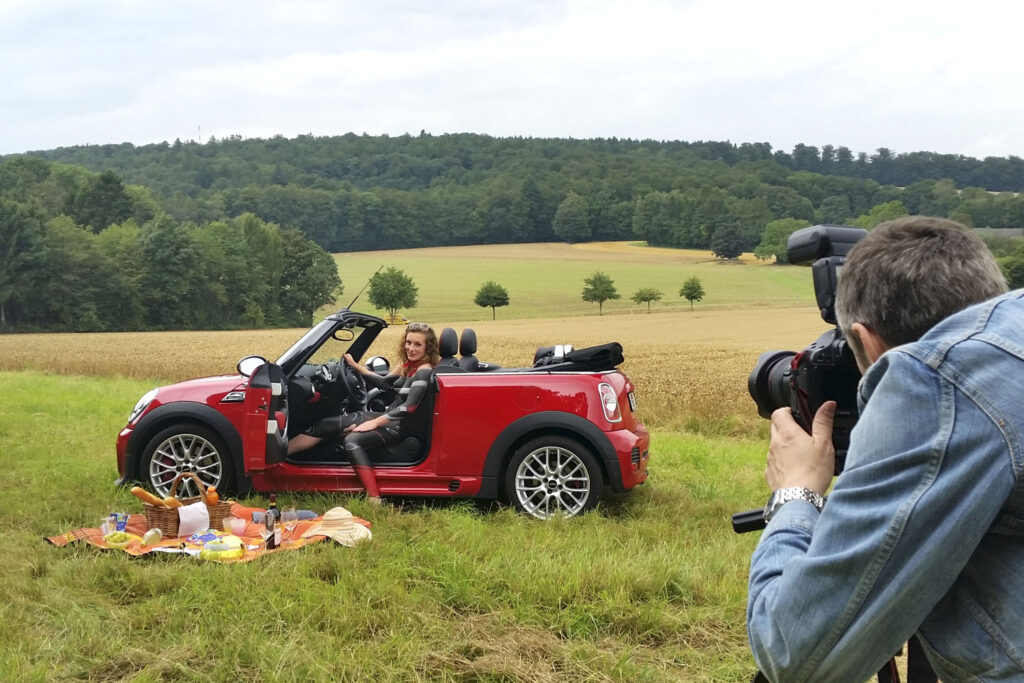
(227, 548)
(146, 497)
(119, 539)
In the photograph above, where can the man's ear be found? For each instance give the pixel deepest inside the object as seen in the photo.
(872, 344)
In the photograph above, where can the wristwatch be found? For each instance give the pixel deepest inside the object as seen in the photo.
(782, 496)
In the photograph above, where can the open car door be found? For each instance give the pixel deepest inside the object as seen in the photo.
(267, 413)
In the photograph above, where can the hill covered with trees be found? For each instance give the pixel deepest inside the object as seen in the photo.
(359, 192)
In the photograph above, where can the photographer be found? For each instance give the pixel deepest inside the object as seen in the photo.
(924, 529)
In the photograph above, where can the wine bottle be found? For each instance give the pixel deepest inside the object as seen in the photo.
(270, 522)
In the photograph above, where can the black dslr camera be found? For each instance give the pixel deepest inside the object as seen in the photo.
(824, 371)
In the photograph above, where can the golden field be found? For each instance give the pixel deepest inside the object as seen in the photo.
(690, 367)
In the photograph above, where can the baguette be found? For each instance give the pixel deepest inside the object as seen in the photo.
(147, 497)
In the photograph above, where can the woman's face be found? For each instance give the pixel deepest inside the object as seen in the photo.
(415, 346)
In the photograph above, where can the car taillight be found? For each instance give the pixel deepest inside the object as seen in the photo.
(610, 402)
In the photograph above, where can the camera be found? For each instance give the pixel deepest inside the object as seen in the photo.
(824, 371)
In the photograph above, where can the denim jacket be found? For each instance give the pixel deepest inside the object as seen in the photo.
(924, 529)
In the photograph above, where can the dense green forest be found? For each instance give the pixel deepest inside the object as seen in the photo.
(83, 251)
(359, 192)
(215, 203)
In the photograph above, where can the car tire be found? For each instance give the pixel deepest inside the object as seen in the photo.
(187, 448)
(553, 475)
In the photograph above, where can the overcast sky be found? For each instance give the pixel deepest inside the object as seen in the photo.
(907, 75)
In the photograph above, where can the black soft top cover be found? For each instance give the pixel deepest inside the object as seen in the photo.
(591, 359)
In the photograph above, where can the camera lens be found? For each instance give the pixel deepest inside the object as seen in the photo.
(769, 381)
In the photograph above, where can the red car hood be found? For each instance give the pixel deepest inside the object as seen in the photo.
(202, 390)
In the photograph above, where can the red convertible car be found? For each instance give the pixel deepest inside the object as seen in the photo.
(550, 439)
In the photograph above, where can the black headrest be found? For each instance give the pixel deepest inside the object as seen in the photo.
(448, 343)
(467, 347)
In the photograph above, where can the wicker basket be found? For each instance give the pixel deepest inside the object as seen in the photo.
(166, 518)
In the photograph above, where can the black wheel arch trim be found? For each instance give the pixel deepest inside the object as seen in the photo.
(184, 411)
(548, 422)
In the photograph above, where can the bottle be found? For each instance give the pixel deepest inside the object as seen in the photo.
(270, 522)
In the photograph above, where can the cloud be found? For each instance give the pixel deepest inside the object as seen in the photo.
(908, 76)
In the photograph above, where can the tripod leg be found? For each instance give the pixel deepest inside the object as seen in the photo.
(889, 673)
(919, 669)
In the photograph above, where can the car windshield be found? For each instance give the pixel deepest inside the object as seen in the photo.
(329, 339)
(311, 338)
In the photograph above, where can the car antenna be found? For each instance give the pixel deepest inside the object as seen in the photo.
(364, 287)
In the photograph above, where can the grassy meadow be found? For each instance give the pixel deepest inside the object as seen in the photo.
(545, 280)
(650, 587)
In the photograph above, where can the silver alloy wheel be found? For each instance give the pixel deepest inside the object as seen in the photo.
(184, 452)
(552, 480)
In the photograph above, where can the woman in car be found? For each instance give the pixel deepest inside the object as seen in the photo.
(364, 430)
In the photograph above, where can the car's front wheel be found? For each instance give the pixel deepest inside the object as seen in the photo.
(186, 448)
(553, 475)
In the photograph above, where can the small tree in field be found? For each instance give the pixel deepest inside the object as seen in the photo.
(392, 290)
(599, 288)
(645, 295)
(692, 290)
(491, 294)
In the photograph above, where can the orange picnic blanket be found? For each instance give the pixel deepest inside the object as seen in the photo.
(253, 543)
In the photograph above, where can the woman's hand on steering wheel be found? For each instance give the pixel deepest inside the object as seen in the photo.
(354, 384)
(352, 363)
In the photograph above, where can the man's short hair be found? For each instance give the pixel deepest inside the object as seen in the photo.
(909, 274)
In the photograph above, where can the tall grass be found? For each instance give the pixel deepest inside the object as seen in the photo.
(651, 586)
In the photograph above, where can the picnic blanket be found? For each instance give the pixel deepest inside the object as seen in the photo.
(253, 544)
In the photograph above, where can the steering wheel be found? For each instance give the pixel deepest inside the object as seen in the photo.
(355, 386)
(350, 382)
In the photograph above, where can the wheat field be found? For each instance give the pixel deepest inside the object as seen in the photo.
(690, 368)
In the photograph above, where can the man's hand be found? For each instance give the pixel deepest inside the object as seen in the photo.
(796, 458)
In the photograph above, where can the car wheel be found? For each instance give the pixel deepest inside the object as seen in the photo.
(553, 475)
(186, 448)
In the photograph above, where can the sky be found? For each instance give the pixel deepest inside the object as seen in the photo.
(907, 75)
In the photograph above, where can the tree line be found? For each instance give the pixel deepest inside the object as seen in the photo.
(84, 252)
(218, 205)
(360, 192)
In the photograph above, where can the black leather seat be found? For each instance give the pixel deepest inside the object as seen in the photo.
(467, 347)
(447, 346)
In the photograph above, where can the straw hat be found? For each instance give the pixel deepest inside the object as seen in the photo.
(339, 525)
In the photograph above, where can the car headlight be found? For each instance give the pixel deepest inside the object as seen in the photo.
(143, 403)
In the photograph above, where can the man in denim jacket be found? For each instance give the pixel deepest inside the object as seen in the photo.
(924, 529)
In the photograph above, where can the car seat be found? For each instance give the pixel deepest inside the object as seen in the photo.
(467, 347)
(447, 345)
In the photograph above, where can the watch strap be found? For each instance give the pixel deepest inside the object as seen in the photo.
(785, 495)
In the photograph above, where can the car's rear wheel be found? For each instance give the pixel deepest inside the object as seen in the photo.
(186, 448)
(553, 475)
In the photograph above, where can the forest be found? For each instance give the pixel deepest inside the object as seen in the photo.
(82, 251)
(220, 201)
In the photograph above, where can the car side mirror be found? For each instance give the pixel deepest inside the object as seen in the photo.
(249, 364)
(379, 365)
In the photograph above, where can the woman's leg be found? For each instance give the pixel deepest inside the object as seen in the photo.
(301, 442)
(333, 426)
(356, 446)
